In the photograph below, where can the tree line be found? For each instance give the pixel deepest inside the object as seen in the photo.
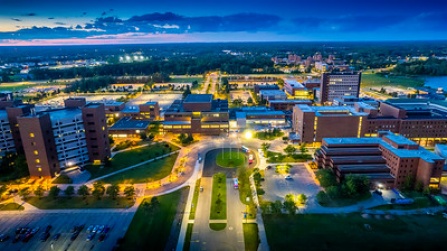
(432, 67)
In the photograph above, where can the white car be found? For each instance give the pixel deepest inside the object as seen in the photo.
(288, 177)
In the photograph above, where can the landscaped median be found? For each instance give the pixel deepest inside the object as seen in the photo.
(219, 201)
(11, 207)
(231, 158)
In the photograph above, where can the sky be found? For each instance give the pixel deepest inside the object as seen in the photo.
(55, 22)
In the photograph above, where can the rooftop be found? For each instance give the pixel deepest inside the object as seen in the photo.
(63, 113)
(331, 110)
(3, 114)
(198, 98)
(92, 105)
(293, 83)
(130, 124)
(291, 101)
(272, 92)
(131, 109)
(353, 141)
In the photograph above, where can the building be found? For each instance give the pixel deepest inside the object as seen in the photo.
(351, 101)
(128, 128)
(286, 105)
(313, 123)
(57, 139)
(297, 90)
(7, 144)
(387, 160)
(258, 118)
(197, 113)
(337, 85)
(272, 95)
(260, 87)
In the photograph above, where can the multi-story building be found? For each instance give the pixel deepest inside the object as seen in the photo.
(313, 123)
(297, 90)
(272, 95)
(286, 105)
(258, 118)
(258, 88)
(57, 139)
(388, 160)
(419, 120)
(197, 113)
(337, 85)
(7, 144)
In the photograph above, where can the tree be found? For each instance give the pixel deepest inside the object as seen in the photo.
(154, 203)
(249, 100)
(289, 150)
(257, 178)
(83, 191)
(302, 199)
(113, 191)
(129, 191)
(182, 137)
(69, 191)
(39, 191)
(107, 161)
(265, 146)
(98, 190)
(326, 178)
(303, 148)
(333, 192)
(408, 183)
(289, 204)
(322, 198)
(276, 207)
(355, 186)
(54, 192)
(24, 193)
(186, 92)
(143, 135)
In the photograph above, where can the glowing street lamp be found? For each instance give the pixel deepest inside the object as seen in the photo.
(248, 135)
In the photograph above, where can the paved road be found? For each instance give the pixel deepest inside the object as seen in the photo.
(232, 238)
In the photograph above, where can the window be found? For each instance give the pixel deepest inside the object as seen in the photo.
(36, 152)
(39, 169)
(37, 161)
(89, 115)
(31, 135)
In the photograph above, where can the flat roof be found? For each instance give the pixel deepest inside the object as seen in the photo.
(352, 141)
(131, 109)
(292, 101)
(92, 105)
(63, 113)
(130, 124)
(399, 139)
(331, 110)
(294, 83)
(198, 98)
(176, 123)
(272, 92)
(151, 103)
(260, 113)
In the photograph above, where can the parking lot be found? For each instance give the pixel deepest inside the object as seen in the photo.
(63, 224)
(277, 187)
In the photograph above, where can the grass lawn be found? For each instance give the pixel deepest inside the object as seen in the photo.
(251, 237)
(78, 202)
(187, 244)
(11, 206)
(218, 226)
(150, 231)
(245, 191)
(131, 157)
(195, 198)
(62, 179)
(419, 202)
(343, 202)
(231, 159)
(377, 80)
(145, 173)
(219, 197)
(349, 232)
(268, 136)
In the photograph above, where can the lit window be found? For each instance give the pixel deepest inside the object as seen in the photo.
(37, 161)
(31, 135)
(39, 169)
(103, 128)
(36, 152)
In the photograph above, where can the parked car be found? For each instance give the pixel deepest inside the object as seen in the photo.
(106, 229)
(288, 177)
(48, 228)
(100, 229)
(90, 228)
(269, 167)
(95, 229)
(4, 237)
(74, 236)
(56, 237)
(35, 230)
(44, 236)
(102, 237)
(378, 192)
(91, 236)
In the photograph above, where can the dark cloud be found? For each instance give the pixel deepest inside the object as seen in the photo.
(44, 33)
(51, 18)
(32, 14)
(60, 23)
(347, 23)
(84, 13)
(16, 19)
(103, 13)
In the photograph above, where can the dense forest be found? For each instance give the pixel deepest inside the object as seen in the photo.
(432, 67)
(175, 65)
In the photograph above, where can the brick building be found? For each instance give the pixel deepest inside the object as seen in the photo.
(197, 113)
(337, 85)
(387, 160)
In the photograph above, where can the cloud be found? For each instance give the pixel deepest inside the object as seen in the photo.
(84, 13)
(31, 14)
(60, 23)
(16, 19)
(51, 18)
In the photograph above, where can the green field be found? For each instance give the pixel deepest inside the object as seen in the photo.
(11, 207)
(78, 202)
(130, 158)
(251, 237)
(230, 158)
(377, 80)
(62, 179)
(353, 232)
(219, 197)
(152, 171)
(218, 226)
(150, 230)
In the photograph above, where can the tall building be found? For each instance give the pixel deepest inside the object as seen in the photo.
(57, 139)
(197, 113)
(337, 85)
(388, 160)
